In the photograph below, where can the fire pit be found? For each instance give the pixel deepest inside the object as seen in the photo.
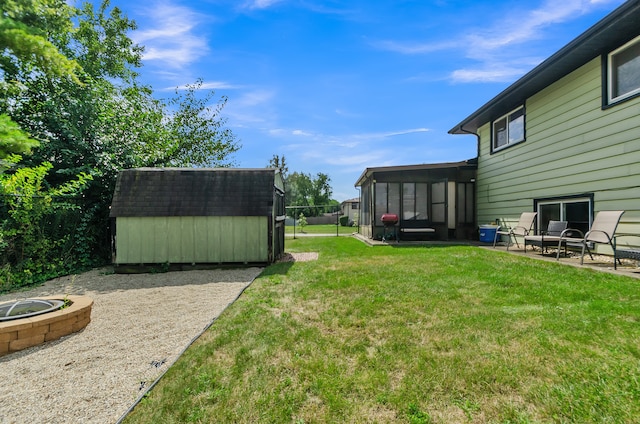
(30, 322)
(389, 220)
(28, 308)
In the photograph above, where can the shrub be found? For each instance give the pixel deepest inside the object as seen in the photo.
(33, 248)
(302, 222)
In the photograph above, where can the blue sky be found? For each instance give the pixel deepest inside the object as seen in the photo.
(339, 86)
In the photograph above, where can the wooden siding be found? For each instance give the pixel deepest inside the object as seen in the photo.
(572, 146)
(190, 240)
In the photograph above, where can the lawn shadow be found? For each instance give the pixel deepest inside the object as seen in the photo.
(278, 268)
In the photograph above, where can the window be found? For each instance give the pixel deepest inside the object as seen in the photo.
(354, 205)
(365, 200)
(576, 210)
(414, 201)
(387, 200)
(465, 203)
(439, 199)
(508, 130)
(623, 72)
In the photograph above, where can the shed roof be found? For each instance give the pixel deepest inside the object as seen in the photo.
(614, 30)
(149, 192)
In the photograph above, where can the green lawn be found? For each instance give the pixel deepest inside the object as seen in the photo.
(397, 334)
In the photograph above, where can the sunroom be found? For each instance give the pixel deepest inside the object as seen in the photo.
(430, 201)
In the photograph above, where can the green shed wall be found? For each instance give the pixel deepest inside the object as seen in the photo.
(572, 146)
(186, 240)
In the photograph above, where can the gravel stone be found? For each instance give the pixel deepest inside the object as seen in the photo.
(140, 324)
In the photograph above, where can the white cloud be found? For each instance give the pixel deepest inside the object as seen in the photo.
(349, 141)
(498, 47)
(260, 4)
(360, 161)
(415, 48)
(522, 27)
(256, 97)
(172, 39)
(494, 74)
(346, 149)
(301, 133)
(251, 107)
(347, 114)
(213, 85)
(401, 132)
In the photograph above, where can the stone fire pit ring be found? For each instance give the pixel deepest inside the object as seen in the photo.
(22, 333)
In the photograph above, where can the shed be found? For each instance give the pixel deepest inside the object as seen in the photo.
(187, 217)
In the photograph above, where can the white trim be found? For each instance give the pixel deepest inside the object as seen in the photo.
(610, 74)
(508, 143)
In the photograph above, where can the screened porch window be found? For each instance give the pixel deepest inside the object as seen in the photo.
(414, 201)
(465, 203)
(387, 200)
(365, 200)
(439, 201)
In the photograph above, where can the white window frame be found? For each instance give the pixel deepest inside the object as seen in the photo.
(611, 74)
(511, 137)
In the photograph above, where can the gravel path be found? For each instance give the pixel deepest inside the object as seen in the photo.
(139, 326)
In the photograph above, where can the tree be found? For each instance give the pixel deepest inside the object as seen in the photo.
(279, 163)
(197, 136)
(100, 119)
(321, 190)
(303, 190)
(299, 187)
(23, 37)
(12, 141)
(25, 48)
(31, 246)
(302, 221)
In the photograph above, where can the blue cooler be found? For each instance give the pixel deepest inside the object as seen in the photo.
(488, 233)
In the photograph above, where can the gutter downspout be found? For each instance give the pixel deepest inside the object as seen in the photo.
(461, 128)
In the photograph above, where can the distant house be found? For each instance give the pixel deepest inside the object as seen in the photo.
(351, 208)
(182, 216)
(564, 140)
(434, 201)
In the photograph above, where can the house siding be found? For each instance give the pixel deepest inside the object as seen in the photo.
(179, 240)
(572, 146)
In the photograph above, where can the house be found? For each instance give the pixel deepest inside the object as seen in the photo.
(350, 209)
(564, 140)
(431, 201)
(186, 217)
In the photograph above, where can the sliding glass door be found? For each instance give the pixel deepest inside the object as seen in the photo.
(576, 210)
